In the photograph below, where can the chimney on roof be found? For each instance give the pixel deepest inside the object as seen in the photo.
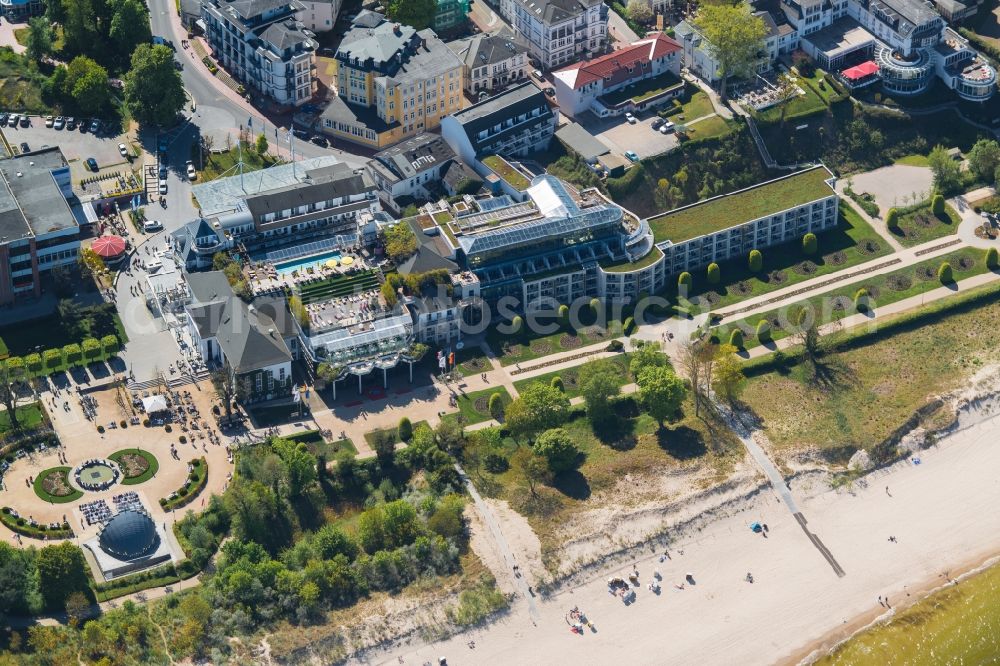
(397, 29)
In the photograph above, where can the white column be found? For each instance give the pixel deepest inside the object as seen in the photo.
(385, 379)
(410, 363)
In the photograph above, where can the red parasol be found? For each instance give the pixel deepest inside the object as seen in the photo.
(109, 247)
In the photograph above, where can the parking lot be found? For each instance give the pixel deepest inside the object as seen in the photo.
(76, 146)
(619, 136)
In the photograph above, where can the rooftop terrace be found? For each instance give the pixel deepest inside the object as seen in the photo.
(736, 208)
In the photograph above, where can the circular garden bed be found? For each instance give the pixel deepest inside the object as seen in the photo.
(52, 485)
(838, 258)
(806, 268)
(777, 277)
(743, 287)
(899, 282)
(869, 247)
(482, 405)
(926, 273)
(966, 262)
(570, 342)
(137, 465)
(540, 347)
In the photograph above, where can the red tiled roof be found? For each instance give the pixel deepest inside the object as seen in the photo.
(616, 64)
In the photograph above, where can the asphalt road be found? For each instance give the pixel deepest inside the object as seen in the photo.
(216, 111)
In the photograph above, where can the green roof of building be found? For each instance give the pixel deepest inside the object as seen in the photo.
(731, 210)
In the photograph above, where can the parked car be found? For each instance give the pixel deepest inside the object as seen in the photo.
(12, 121)
(3, 119)
(71, 123)
(549, 90)
(163, 187)
(123, 149)
(657, 122)
(301, 134)
(631, 156)
(49, 121)
(191, 172)
(59, 123)
(632, 120)
(162, 172)
(24, 147)
(95, 125)
(667, 127)
(25, 121)
(320, 141)
(538, 74)
(152, 225)
(92, 164)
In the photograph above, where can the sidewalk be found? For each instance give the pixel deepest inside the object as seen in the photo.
(878, 225)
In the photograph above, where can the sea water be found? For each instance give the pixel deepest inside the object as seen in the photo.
(958, 625)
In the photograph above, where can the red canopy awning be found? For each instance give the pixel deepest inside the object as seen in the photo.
(109, 247)
(860, 71)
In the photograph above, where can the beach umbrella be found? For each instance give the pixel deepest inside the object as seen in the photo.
(347, 261)
(332, 263)
(109, 247)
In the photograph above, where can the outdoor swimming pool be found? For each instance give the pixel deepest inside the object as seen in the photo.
(301, 264)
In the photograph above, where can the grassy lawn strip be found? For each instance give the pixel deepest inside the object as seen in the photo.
(507, 172)
(152, 466)
(708, 128)
(731, 210)
(913, 160)
(643, 89)
(469, 413)
(570, 377)
(799, 106)
(851, 242)
(375, 435)
(918, 224)
(320, 447)
(219, 163)
(883, 376)
(518, 349)
(628, 266)
(838, 303)
(39, 485)
(697, 106)
(28, 416)
(472, 361)
(168, 574)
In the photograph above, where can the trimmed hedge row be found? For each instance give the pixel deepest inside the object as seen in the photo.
(168, 574)
(72, 355)
(21, 526)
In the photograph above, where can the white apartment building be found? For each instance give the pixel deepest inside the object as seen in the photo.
(264, 46)
(558, 32)
(319, 15)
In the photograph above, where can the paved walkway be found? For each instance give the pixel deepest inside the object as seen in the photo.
(877, 224)
(972, 220)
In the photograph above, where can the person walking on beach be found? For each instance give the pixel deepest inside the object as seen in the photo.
(880, 601)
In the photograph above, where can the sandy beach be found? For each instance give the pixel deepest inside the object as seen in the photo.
(941, 512)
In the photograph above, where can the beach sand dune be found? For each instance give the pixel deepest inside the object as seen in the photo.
(942, 514)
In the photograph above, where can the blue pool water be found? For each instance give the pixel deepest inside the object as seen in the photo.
(301, 264)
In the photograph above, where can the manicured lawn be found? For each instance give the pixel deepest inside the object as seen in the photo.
(152, 465)
(507, 172)
(697, 106)
(472, 361)
(822, 88)
(644, 89)
(874, 388)
(913, 160)
(570, 376)
(708, 128)
(59, 476)
(29, 416)
(22, 338)
(371, 438)
(798, 107)
(737, 208)
(634, 447)
(852, 242)
(525, 347)
(474, 407)
(320, 447)
(884, 289)
(218, 164)
(921, 225)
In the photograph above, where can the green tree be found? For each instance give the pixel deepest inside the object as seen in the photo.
(129, 27)
(684, 282)
(388, 526)
(563, 315)
(647, 356)
(38, 43)
(763, 331)
(809, 244)
(415, 13)
(405, 429)
(446, 519)
(260, 146)
(154, 92)
(595, 306)
(639, 11)
(714, 273)
(756, 261)
(79, 25)
(557, 383)
(861, 300)
(300, 465)
(516, 325)
(495, 405)
(16, 573)
(984, 158)
(736, 338)
(728, 373)
(299, 311)
(992, 258)
(399, 240)
(62, 570)
(937, 205)
(88, 85)
(531, 468)
(330, 541)
(539, 407)
(735, 38)
(661, 392)
(599, 383)
(945, 274)
(892, 219)
(947, 171)
(13, 379)
(557, 447)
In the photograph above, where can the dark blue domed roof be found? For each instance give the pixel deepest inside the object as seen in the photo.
(129, 536)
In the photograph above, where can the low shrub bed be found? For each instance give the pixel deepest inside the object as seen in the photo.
(53, 486)
(137, 465)
(24, 528)
(168, 574)
(195, 483)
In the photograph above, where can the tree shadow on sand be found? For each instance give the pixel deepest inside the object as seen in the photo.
(682, 442)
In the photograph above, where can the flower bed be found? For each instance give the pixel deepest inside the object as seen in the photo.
(196, 481)
(53, 486)
(21, 525)
(137, 465)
